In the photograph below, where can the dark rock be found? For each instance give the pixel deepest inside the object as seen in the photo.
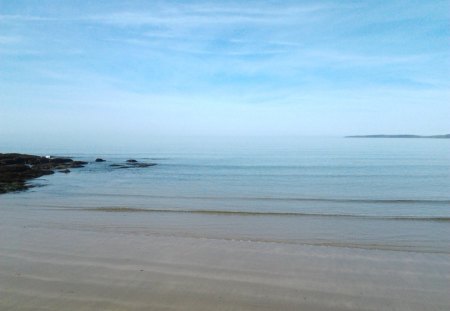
(78, 164)
(12, 161)
(66, 171)
(59, 160)
(132, 164)
(47, 172)
(144, 164)
(99, 160)
(16, 169)
(13, 186)
(11, 168)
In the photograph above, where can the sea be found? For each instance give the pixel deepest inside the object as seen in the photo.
(377, 194)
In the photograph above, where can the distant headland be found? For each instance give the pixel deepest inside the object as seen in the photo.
(446, 136)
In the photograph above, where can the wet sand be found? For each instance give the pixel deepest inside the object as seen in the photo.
(57, 263)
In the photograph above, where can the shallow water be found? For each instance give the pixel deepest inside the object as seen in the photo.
(366, 193)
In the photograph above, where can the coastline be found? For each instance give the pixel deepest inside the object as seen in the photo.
(408, 136)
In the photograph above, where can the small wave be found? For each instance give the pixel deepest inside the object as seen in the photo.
(255, 213)
(377, 201)
(285, 199)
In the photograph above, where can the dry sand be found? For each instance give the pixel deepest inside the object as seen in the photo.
(59, 264)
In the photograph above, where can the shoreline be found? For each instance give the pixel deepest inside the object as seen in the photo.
(402, 234)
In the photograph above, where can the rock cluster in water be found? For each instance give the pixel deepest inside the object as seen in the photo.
(16, 169)
(132, 163)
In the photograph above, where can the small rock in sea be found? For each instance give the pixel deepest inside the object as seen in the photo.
(99, 160)
(132, 164)
(144, 164)
(66, 171)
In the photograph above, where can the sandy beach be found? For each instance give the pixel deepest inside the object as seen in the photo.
(68, 263)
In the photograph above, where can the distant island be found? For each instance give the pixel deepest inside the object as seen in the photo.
(446, 136)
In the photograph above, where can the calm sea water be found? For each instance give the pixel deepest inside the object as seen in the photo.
(369, 193)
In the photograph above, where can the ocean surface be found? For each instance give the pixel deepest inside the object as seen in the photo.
(380, 194)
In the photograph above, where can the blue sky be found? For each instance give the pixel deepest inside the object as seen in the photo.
(108, 70)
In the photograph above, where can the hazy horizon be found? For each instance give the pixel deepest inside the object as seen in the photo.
(120, 73)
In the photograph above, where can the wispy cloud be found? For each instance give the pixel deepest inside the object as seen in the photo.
(24, 18)
(6, 40)
(197, 16)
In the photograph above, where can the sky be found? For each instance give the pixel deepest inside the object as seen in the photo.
(116, 71)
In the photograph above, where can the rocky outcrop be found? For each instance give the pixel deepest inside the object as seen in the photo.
(16, 169)
(132, 163)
